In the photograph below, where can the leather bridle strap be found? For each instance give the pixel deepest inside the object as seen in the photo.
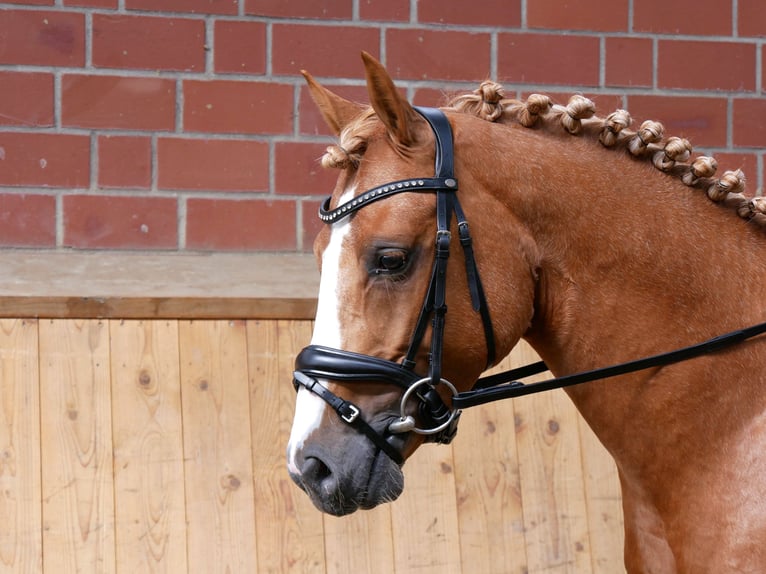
(316, 362)
(435, 303)
(504, 385)
(349, 414)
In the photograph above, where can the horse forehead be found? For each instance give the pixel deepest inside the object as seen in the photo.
(327, 328)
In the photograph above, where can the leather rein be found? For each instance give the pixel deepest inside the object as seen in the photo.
(315, 362)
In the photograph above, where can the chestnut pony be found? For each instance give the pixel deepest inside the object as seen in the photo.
(595, 256)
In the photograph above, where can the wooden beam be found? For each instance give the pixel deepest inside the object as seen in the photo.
(157, 286)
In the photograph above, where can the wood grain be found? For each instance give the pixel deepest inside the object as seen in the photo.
(604, 503)
(424, 519)
(157, 286)
(218, 463)
(289, 528)
(76, 447)
(550, 467)
(149, 504)
(488, 485)
(361, 542)
(20, 488)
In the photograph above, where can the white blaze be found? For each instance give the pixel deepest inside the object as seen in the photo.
(309, 407)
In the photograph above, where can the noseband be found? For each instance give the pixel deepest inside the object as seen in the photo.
(317, 362)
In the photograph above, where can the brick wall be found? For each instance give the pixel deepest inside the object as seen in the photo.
(184, 124)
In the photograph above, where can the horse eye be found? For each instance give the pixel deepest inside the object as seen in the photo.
(391, 262)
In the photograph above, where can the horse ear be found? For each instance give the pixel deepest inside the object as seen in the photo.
(336, 111)
(392, 108)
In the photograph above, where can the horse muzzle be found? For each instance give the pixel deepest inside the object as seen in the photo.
(439, 422)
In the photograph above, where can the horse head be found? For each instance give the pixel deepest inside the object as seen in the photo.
(385, 357)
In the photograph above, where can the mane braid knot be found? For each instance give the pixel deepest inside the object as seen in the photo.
(671, 156)
(579, 108)
(485, 102)
(613, 126)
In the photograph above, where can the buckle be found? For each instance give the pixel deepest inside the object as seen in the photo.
(443, 236)
(349, 417)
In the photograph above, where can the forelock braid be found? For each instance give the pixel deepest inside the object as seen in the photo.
(352, 144)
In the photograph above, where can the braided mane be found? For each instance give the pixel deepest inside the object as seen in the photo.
(672, 155)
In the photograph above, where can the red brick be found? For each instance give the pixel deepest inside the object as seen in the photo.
(751, 18)
(629, 62)
(92, 3)
(193, 6)
(42, 38)
(311, 223)
(298, 170)
(119, 222)
(747, 162)
(706, 65)
(223, 224)
(118, 102)
(322, 50)
(701, 120)
(124, 161)
(48, 160)
(548, 59)
(749, 123)
(31, 2)
(26, 99)
(323, 9)
(599, 15)
(238, 107)
(240, 47)
(228, 165)
(683, 17)
(440, 54)
(27, 220)
(434, 97)
(148, 43)
(311, 121)
(385, 10)
(480, 12)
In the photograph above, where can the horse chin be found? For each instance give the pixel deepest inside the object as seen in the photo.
(355, 485)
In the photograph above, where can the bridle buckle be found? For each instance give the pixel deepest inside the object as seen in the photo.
(350, 416)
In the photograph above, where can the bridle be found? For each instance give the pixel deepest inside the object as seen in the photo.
(317, 362)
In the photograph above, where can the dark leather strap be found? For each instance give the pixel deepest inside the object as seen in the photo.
(429, 184)
(503, 385)
(345, 366)
(349, 413)
(446, 205)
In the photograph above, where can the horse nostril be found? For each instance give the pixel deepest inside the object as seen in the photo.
(315, 474)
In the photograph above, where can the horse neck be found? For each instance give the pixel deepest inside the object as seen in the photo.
(630, 261)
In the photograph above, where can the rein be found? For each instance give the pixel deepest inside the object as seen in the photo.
(505, 386)
(316, 362)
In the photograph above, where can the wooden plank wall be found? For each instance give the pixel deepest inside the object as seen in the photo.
(158, 446)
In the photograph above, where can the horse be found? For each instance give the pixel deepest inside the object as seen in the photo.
(595, 243)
